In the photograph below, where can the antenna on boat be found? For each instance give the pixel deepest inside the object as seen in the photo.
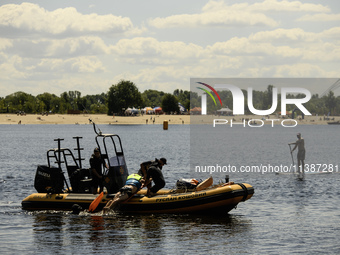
(95, 128)
(59, 162)
(79, 149)
(59, 152)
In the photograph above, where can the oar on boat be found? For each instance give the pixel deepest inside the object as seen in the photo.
(95, 203)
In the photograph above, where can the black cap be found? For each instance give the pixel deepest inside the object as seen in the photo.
(96, 149)
(163, 160)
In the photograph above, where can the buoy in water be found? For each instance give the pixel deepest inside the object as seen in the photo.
(165, 125)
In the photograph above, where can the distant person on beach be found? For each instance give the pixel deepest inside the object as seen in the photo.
(152, 171)
(300, 144)
(96, 164)
(132, 185)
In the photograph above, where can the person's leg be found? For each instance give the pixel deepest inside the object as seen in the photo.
(159, 184)
(94, 190)
(119, 197)
(110, 204)
(94, 186)
(101, 186)
(303, 166)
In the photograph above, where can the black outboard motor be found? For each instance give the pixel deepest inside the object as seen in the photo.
(49, 180)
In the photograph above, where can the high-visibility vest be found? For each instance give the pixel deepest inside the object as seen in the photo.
(134, 176)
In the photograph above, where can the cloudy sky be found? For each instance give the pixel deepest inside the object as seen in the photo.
(57, 46)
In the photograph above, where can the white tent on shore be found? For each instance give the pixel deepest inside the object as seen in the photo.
(225, 111)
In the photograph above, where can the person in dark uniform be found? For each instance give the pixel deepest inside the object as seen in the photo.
(145, 166)
(154, 173)
(96, 164)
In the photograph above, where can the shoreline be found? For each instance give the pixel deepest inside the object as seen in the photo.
(81, 119)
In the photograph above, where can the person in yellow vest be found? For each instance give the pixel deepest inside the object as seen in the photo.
(132, 185)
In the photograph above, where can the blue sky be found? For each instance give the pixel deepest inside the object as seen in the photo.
(57, 46)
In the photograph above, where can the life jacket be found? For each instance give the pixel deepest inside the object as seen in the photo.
(134, 176)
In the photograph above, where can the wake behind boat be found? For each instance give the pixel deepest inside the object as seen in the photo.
(54, 192)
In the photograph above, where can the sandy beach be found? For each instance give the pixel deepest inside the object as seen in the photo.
(97, 118)
(145, 119)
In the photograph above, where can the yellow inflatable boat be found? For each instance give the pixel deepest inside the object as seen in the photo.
(54, 192)
(221, 198)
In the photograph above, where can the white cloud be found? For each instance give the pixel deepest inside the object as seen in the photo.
(76, 47)
(301, 70)
(71, 65)
(53, 48)
(331, 34)
(284, 43)
(63, 48)
(219, 13)
(29, 18)
(266, 6)
(5, 43)
(217, 18)
(11, 68)
(151, 51)
(283, 36)
(275, 53)
(320, 17)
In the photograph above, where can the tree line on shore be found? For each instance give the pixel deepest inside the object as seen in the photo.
(125, 94)
(119, 97)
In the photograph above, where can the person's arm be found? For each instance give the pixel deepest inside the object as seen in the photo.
(104, 164)
(296, 145)
(148, 181)
(142, 167)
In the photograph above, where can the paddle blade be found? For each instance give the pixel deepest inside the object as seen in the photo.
(95, 203)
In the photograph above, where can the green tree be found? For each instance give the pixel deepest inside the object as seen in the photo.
(48, 100)
(20, 101)
(337, 108)
(330, 102)
(268, 98)
(195, 100)
(152, 97)
(183, 97)
(123, 95)
(170, 103)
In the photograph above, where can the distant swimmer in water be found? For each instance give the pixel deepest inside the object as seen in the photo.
(300, 144)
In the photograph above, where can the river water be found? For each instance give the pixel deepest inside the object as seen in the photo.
(286, 215)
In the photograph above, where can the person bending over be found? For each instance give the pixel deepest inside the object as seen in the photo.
(132, 185)
(155, 174)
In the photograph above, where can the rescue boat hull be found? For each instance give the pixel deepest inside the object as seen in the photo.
(222, 199)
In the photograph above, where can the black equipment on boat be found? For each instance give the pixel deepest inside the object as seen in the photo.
(51, 179)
